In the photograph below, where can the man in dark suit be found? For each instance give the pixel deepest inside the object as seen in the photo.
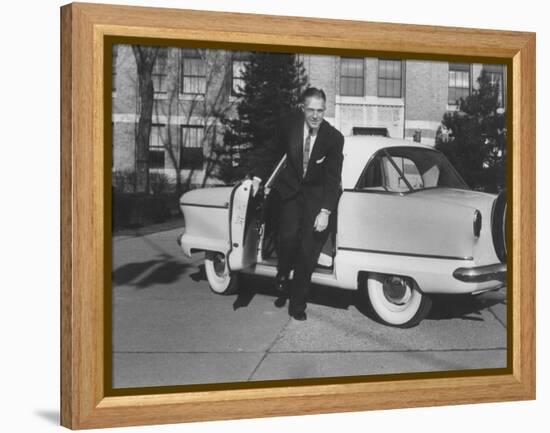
(309, 188)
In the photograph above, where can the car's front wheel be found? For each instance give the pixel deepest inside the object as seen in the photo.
(396, 300)
(220, 279)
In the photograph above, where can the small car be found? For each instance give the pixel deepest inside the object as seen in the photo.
(406, 227)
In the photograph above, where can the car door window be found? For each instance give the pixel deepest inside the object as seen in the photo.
(382, 175)
(394, 181)
(431, 177)
(373, 177)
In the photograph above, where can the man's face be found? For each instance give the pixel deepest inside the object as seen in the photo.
(314, 111)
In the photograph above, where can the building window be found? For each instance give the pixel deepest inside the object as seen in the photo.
(159, 72)
(459, 82)
(352, 76)
(389, 78)
(496, 76)
(193, 72)
(191, 147)
(114, 53)
(238, 65)
(156, 145)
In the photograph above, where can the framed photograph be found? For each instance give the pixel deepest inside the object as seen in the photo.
(265, 216)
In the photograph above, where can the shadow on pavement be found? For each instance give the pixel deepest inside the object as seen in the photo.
(465, 307)
(168, 272)
(328, 296)
(127, 273)
(146, 274)
(200, 275)
(445, 307)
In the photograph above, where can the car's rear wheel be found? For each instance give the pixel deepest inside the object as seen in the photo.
(220, 279)
(396, 300)
(498, 226)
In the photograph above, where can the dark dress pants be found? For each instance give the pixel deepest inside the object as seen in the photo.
(299, 247)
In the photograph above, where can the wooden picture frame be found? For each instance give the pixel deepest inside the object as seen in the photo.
(84, 27)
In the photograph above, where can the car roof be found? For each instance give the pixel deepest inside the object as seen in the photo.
(358, 149)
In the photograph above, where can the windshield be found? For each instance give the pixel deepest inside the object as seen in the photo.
(407, 169)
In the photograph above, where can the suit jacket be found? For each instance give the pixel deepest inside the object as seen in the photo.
(321, 183)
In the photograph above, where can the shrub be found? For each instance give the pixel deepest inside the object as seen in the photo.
(132, 210)
(158, 183)
(474, 138)
(124, 181)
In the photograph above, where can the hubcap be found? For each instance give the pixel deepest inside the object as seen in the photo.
(219, 264)
(397, 290)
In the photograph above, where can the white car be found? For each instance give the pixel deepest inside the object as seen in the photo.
(407, 226)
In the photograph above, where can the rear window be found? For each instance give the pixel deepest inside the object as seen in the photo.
(407, 169)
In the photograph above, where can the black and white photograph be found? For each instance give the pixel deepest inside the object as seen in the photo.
(243, 216)
(292, 216)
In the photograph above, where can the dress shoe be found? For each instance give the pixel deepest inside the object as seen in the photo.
(299, 316)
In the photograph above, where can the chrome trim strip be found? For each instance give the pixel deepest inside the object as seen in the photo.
(481, 274)
(392, 253)
(226, 206)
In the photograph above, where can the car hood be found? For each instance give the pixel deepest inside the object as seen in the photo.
(452, 196)
(217, 196)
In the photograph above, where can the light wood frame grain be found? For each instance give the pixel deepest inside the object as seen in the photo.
(84, 403)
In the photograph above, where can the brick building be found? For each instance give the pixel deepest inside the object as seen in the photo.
(405, 97)
(195, 88)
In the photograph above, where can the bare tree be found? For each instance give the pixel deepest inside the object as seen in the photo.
(211, 105)
(145, 60)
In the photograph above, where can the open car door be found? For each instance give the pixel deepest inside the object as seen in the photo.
(246, 221)
(244, 227)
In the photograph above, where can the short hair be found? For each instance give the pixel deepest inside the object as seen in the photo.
(314, 92)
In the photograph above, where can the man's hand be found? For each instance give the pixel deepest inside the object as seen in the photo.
(321, 222)
(256, 181)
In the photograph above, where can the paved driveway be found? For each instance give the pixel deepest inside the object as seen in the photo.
(170, 329)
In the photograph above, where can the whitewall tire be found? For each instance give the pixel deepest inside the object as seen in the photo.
(396, 300)
(220, 280)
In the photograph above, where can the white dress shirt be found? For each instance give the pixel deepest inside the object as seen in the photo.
(313, 138)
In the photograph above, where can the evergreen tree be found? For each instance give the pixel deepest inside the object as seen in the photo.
(474, 138)
(273, 83)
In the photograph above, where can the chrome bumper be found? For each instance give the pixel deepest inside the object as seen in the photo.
(481, 274)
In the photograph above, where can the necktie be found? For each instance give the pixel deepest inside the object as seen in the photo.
(307, 146)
